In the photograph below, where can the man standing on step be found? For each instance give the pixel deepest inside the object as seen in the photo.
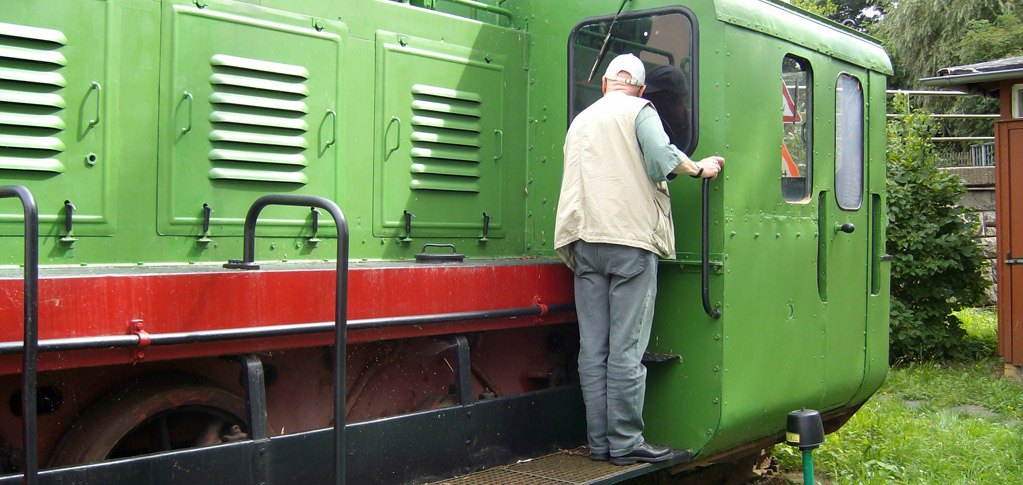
(613, 222)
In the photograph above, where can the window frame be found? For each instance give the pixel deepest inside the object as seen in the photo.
(694, 42)
(862, 143)
(809, 120)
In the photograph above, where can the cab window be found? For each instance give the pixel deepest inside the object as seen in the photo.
(665, 40)
(848, 142)
(797, 129)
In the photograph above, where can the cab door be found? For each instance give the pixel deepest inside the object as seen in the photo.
(843, 255)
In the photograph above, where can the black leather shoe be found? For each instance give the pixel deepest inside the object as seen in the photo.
(600, 456)
(646, 453)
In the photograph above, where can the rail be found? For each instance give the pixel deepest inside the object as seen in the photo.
(31, 332)
(952, 116)
(203, 336)
(636, 45)
(340, 299)
(487, 8)
(705, 253)
(480, 6)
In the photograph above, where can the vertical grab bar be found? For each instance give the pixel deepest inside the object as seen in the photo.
(340, 299)
(31, 332)
(705, 253)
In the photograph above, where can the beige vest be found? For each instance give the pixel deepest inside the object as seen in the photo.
(606, 194)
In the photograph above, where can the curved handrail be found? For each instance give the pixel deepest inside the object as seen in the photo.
(31, 332)
(705, 253)
(485, 7)
(340, 299)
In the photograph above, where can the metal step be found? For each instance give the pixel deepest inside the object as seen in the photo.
(567, 467)
(654, 357)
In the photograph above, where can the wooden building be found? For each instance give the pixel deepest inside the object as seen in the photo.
(1002, 79)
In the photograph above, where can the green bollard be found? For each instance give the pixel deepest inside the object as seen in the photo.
(805, 430)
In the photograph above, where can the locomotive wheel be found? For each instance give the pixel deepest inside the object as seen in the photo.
(152, 416)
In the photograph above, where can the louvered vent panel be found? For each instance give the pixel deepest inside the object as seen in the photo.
(258, 120)
(31, 98)
(445, 139)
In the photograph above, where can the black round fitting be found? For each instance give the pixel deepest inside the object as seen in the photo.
(804, 429)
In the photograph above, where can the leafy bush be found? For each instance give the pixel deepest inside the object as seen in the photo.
(937, 267)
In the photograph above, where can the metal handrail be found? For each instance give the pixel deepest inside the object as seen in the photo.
(340, 299)
(482, 6)
(31, 332)
(705, 253)
(925, 92)
(952, 116)
(628, 43)
(220, 335)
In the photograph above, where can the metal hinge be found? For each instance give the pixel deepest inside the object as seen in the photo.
(1011, 260)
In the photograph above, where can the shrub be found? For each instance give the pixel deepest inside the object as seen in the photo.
(937, 268)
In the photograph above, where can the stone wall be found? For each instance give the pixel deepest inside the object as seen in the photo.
(980, 198)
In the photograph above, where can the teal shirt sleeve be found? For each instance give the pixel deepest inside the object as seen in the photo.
(660, 156)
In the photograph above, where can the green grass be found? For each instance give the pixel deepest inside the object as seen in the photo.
(931, 423)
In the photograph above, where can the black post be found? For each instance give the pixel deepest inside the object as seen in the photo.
(31, 332)
(340, 300)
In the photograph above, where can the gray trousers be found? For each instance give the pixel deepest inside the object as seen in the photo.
(615, 287)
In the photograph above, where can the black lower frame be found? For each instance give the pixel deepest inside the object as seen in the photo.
(413, 448)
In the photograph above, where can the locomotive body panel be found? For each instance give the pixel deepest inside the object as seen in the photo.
(146, 130)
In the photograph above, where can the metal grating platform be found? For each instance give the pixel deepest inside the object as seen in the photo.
(569, 467)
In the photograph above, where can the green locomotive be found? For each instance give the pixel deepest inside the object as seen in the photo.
(145, 130)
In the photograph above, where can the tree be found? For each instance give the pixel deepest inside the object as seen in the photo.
(989, 40)
(845, 12)
(850, 10)
(824, 8)
(922, 36)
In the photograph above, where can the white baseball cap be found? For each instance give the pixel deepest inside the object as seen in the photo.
(630, 64)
